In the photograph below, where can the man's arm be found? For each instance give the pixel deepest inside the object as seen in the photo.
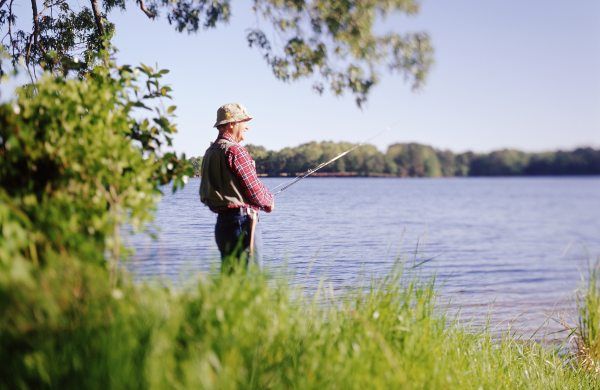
(242, 166)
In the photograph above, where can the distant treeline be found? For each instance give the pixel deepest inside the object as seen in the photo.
(417, 160)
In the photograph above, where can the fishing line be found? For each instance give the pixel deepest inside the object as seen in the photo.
(290, 183)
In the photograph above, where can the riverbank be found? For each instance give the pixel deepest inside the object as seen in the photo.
(251, 331)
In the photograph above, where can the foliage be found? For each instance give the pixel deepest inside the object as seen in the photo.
(499, 163)
(244, 331)
(196, 163)
(334, 43)
(416, 160)
(77, 159)
(60, 316)
(60, 38)
(580, 161)
(588, 331)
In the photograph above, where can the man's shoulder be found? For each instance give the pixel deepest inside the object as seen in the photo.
(236, 149)
(222, 145)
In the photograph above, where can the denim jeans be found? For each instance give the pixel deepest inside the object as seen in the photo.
(232, 233)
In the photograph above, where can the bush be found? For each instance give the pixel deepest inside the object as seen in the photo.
(76, 162)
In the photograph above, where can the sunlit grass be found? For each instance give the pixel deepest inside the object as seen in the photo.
(251, 331)
(588, 332)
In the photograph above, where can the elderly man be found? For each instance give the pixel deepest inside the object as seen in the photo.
(230, 188)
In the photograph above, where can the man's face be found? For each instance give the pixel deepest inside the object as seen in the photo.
(238, 129)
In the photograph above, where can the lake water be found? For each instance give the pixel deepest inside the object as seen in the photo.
(511, 251)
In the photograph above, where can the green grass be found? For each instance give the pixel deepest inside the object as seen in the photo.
(249, 331)
(588, 331)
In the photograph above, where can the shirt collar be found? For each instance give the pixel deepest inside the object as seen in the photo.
(227, 137)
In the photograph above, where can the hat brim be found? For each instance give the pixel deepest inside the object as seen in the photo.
(225, 121)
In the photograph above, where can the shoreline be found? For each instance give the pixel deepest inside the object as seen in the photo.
(390, 176)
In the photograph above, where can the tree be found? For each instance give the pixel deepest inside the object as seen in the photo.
(581, 161)
(261, 157)
(463, 163)
(333, 43)
(415, 160)
(422, 161)
(329, 150)
(374, 161)
(506, 162)
(447, 161)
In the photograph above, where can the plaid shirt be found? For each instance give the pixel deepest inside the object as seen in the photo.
(243, 167)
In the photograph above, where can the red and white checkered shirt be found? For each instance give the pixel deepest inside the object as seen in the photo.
(243, 167)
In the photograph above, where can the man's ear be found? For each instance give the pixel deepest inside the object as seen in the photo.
(224, 128)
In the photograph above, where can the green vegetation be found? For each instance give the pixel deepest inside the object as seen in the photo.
(332, 43)
(77, 160)
(416, 160)
(588, 331)
(240, 331)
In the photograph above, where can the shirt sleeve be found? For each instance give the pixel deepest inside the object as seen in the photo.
(242, 166)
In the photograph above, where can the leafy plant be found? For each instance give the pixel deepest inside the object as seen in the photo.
(78, 159)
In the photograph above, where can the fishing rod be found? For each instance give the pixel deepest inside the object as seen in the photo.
(290, 183)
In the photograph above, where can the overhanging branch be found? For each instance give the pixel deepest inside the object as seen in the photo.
(34, 34)
(10, 23)
(97, 17)
(36, 21)
(145, 10)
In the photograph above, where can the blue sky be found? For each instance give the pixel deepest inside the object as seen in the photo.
(519, 74)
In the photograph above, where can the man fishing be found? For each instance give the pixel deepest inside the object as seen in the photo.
(231, 188)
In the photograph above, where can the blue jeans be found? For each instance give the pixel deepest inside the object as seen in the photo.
(232, 233)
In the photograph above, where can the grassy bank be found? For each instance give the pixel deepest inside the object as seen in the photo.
(588, 330)
(74, 330)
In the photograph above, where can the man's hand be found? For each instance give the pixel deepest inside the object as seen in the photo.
(271, 207)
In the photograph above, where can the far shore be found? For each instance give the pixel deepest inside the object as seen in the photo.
(388, 175)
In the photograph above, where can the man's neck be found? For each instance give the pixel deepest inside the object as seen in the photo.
(228, 136)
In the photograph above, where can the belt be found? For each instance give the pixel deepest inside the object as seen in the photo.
(236, 211)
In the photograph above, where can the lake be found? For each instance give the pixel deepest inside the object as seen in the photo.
(508, 251)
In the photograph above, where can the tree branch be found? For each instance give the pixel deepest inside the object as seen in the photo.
(145, 10)
(2, 2)
(36, 22)
(11, 19)
(97, 17)
(34, 33)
